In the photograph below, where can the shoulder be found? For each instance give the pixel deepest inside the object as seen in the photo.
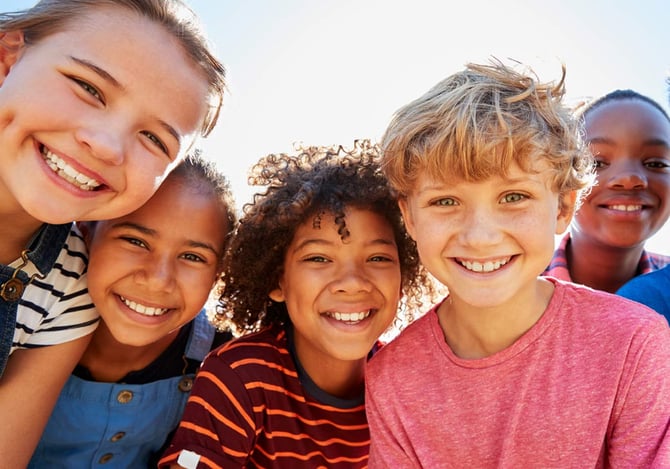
(404, 349)
(267, 345)
(596, 311)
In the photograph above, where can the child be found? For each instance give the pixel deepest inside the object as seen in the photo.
(98, 102)
(652, 289)
(511, 369)
(629, 136)
(150, 273)
(314, 275)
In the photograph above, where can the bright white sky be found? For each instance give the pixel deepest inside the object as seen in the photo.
(330, 71)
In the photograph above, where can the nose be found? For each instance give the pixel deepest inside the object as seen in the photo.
(351, 278)
(480, 227)
(157, 275)
(106, 142)
(627, 175)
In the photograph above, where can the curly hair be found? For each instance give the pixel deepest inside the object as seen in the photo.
(314, 182)
(475, 123)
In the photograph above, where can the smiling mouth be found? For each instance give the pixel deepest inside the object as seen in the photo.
(349, 318)
(142, 309)
(624, 208)
(67, 172)
(486, 267)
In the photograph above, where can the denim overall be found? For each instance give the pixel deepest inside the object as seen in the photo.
(110, 425)
(42, 253)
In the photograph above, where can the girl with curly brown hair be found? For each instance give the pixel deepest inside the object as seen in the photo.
(314, 276)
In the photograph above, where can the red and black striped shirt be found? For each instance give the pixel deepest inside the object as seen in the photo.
(253, 406)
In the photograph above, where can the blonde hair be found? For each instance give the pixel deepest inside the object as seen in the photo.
(477, 122)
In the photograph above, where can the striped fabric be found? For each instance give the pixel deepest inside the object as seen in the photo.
(251, 407)
(558, 267)
(57, 309)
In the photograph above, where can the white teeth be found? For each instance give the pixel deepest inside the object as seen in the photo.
(67, 172)
(488, 266)
(350, 317)
(625, 208)
(145, 310)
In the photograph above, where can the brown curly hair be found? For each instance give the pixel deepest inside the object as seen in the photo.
(314, 182)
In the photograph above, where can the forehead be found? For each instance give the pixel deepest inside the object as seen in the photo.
(626, 113)
(147, 60)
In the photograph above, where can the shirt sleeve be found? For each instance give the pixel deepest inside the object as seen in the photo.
(218, 424)
(57, 308)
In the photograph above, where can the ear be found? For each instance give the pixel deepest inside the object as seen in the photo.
(11, 48)
(406, 212)
(566, 210)
(277, 295)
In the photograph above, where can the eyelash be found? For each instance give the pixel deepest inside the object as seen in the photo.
(188, 256)
(90, 89)
(93, 91)
(155, 140)
(517, 197)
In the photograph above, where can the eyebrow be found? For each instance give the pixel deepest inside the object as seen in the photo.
(657, 142)
(323, 242)
(105, 75)
(151, 232)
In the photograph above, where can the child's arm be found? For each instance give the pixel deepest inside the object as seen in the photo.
(29, 389)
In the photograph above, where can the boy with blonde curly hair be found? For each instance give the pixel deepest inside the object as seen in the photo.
(511, 369)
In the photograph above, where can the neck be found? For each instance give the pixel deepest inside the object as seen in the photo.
(602, 267)
(340, 378)
(109, 360)
(15, 234)
(474, 333)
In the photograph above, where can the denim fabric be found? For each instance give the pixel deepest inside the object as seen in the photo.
(43, 252)
(114, 424)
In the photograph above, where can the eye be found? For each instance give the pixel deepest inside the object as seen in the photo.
(381, 258)
(156, 141)
(134, 241)
(657, 164)
(193, 258)
(90, 89)
(446, 202)
(319, 259)
(512, 197)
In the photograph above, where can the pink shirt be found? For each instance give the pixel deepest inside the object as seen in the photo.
(587, 386)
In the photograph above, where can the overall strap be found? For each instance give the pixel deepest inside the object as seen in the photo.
(201, 338)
